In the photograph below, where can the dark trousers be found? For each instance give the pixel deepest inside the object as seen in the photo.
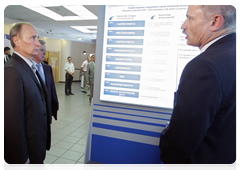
(68, 83)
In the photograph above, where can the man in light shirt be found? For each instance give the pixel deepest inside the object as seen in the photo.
(202, 128)
(69, 68)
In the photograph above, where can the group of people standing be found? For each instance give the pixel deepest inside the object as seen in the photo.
(87, 70)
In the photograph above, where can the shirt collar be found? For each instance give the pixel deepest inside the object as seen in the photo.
(205, 47)
(35, 63)
(25, 59)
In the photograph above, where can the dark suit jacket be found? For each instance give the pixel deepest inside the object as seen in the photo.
(9, 56)
(26, 114)
(202, 128)
(52, 94)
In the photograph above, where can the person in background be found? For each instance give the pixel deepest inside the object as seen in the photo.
(7, 55)
(26, 108)
(202, 128)
(90, 76)
(46, 74)
(84, 71)
(69, 68)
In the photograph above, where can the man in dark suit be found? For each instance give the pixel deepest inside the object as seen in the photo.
(26, 110)
(7, 55)
(48, 79)
(202, 128)
(45, 72)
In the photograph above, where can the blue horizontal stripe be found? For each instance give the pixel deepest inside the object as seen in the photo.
(128, 130)
(132, 109)
(132, 121)
(130, 114)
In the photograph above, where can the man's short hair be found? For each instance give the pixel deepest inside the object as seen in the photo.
(227, 11)
(41, 42)
(15, 30)
(69, 57)
(6, 49)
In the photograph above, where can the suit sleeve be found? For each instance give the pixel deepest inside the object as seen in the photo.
(15, 146)
(196, 103)
(88, 71)
(55, 104)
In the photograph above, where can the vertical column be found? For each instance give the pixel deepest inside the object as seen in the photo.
(65, 53)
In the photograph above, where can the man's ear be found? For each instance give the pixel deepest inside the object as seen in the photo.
(16, 41)
(216, 22)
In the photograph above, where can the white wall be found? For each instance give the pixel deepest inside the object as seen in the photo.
(66, 52)
(77, 50)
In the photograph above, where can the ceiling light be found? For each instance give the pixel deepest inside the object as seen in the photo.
(81, 11)
(83, 29)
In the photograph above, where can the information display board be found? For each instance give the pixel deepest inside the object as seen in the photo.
(144, 53)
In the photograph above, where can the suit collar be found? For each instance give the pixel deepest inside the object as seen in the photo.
(229, 37)
(26, 67)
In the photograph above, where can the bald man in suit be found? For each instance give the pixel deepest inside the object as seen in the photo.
(27, 133)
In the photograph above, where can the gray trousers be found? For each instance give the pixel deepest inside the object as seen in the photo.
(91, 92)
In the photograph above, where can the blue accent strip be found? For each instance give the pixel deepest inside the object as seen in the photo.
(132, 109)
(126, 23)
(128, 130)
(109, 150)
(132, 121)
(130, 114)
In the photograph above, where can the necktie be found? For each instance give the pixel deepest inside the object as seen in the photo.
(40, 72)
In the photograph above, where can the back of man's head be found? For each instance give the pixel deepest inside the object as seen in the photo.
(228, 12)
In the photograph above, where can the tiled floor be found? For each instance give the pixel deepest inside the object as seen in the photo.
(69, 132)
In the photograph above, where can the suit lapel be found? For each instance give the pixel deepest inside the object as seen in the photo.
(27, 68)
(45, 71)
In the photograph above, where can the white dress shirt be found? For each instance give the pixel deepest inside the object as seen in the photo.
(84, 65)
(69, 67)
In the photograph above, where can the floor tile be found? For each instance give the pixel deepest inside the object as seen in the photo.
(72, 155)
(65, 132)
(70, 139)
(78, 148)
(56, 151)
(58, 136)
(50, 159)
(82, 159)
(77, 134)
(82, 142)
(64, 161)
(64, 145)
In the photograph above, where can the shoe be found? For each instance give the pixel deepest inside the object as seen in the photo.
(67, 94)
(87, 94)
(44, 167)
(71, 93)
(83, 91)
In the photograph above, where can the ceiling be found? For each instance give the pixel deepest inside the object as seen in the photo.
(50, 28)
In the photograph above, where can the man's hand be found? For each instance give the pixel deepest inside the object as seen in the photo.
(88, 83)
(25, 166)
